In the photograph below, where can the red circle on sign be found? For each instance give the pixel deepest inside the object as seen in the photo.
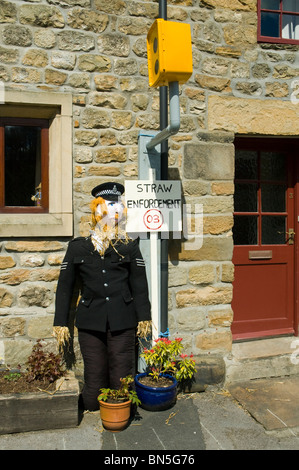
(153, 219)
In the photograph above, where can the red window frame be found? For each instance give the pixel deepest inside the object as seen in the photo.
(44, 125)
(280, 39)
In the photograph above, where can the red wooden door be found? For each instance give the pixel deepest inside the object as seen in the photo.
(264, 242)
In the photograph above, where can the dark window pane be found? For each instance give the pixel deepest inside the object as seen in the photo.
(246, 165)
(273, 166)
(290, 5)
(245, 197)
(270, 24)
(270, 4)
(22, 164)
(273, 198)
(273, 230)
(245, 230)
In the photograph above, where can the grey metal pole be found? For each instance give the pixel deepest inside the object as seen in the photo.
(164, 176)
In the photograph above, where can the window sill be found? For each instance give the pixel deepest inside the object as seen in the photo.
(36, 225)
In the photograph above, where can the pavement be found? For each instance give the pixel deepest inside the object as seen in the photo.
(258, 414)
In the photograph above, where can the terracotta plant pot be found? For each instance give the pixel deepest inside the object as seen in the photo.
(115, 416)
(156, 398)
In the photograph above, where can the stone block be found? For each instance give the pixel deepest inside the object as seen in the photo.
(209, 161)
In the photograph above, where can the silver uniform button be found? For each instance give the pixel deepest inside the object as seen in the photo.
(103, 271)
(105, 284)
(107, 298)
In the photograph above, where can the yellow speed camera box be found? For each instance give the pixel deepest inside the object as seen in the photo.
(169, 52)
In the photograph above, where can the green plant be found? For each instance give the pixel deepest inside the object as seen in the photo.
(122, 394)
(12, 376)
(43, 366)
(166, 357)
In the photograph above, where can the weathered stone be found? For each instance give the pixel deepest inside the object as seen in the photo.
(113, 154)
(6, 298)
(217, 224)
(14, 326)
(110, 6)
(108, 100)
(114, 44)
(261, 70)
(220, 317)
(105, 82)
(215, 340)
(95, 118)
(121, 120)
(209, 295)
(26, 75)
(125, 66)
(33, 246)
(8, 12)
(35, 295)
(89, 138)
(83, 155)
(63, 60)
(202, 274)
(46, 275)
(33, 260)
(239, 5)
(249, 88)
(80, 80)
(54, 77)
(9, 55)
(211, 249)
(103, 171)
(15, 35)
(177, 276)
(283, 71)
(36, 58)
(213, 83)
(45, 38)
(6, 262)
(55, 259)
(73, 41)
(238, 35)
(88, 20)
(15, 277)
(192, 320)
(248, 116)
(223, 188)
(40, 327)
(41, 15)
(227, 272)
(277, 89)
(94, 63)
(133, 26)
(209, 161)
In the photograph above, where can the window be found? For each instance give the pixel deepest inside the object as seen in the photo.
(263, 175)
(278, 21)
(36, 164)
(24, 165)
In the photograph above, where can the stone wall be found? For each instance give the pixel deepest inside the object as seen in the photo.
(96, 50)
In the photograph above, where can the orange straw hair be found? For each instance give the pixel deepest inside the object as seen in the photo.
(93, 206)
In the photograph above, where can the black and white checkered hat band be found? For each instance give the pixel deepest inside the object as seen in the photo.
(113, 192)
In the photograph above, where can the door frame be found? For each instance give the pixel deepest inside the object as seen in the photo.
(280, 142)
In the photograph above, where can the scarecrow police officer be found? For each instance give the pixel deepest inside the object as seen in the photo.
(114, 295)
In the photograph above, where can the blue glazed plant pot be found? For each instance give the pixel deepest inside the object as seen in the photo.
(156, 398)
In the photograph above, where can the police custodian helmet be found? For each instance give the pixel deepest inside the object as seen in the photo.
(109, 191)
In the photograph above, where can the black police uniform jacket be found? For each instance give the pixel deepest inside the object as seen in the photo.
(114, 288)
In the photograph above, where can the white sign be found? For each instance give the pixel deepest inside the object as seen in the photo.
(153, 206)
